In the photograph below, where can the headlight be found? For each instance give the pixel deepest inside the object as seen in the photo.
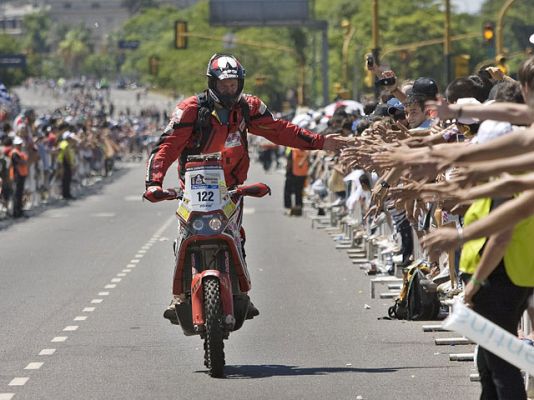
(198, 224)
(215, 224)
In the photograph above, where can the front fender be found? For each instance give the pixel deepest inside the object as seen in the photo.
(197, 295)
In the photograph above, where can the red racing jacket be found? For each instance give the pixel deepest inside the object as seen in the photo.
(229, 139)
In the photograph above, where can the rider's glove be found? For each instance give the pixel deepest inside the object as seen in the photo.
(156, 193)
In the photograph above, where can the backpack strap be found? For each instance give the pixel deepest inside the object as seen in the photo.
(245, 111)
(201, 130)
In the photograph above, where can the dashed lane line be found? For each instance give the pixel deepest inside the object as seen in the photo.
(70, 328)
(21, 381)
(34, 365)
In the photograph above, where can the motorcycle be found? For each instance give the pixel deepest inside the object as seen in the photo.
(211, 279)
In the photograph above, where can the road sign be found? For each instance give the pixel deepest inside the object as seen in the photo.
(12, 60)
(128, 44)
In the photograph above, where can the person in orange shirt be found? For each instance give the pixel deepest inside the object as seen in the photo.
(18, 173)
(296, 174)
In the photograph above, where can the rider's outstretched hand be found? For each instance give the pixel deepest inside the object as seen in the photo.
(156, 193)
(335, 141)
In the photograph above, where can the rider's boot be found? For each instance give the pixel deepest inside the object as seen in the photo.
(252, 311)
(170, 312)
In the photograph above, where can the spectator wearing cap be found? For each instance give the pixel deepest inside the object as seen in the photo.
(425, 87)
(66, 162)
(396, 111)
(18, 173)
(415, 112)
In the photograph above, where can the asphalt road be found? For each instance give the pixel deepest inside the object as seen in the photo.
(83, 286)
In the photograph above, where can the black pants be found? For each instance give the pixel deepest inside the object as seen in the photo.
(503, 303)
(293, 185)
(19, 192)
(66, 180)
(406, 233)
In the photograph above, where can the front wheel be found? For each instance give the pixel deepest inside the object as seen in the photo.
(213, 341)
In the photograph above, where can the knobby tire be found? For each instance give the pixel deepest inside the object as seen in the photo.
(213, 342)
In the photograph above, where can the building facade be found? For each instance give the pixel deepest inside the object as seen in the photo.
(101, 17)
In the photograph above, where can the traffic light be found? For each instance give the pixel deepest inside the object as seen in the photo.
(260, 80)
(488, 32)
(180, 35)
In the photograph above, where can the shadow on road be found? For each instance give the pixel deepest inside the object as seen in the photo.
(266, 371)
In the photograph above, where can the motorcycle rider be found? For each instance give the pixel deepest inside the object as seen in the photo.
(230, 115)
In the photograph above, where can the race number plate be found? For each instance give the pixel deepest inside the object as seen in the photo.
(205, 188)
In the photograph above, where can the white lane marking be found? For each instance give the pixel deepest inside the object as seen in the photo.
(135, 261)
(131, 266)
(126, 270)
(34, 365)
(6, 396)
(18, 381)
(141, 251)
(47, 352)
(116, 280)
(139, 255)
(121, 274)
(80, 318)
(88, 309)
(103, 293)
(146, 247)
(97, 301)
(59, 339)
(112, 286)
(249, 211)
(71, 328)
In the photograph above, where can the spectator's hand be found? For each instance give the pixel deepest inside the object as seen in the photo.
(441, 107)
(495, 73)
(469, 293)
(441, 240)
(335, 141)
(444, 190)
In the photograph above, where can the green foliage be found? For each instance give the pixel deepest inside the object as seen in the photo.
(55, 50)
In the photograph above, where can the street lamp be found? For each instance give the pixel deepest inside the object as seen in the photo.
(348, 33)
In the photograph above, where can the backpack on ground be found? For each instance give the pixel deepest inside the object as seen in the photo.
(418, 298)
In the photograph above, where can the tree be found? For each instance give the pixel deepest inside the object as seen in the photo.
(74, 48)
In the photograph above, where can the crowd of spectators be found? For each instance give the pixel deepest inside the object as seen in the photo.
(43, 157)
(451, 170)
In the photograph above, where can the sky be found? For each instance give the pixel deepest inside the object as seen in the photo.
(468, 6)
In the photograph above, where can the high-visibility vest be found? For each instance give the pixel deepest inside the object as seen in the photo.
(519, 254)
(300, 162)
(22, 164)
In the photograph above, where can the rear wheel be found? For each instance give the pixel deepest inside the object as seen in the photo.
(213, 342)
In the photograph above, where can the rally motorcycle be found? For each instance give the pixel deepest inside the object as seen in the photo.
(211, 278)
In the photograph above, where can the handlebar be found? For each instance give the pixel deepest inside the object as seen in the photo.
(157, 194)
